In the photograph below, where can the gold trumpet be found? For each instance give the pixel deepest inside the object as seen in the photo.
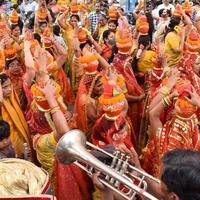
(71, 148)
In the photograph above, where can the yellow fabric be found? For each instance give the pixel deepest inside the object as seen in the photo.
(68, 37)
(145, 64)
(12, 113)
(14, 2)
(60, 1)
(45, 150)
(172, 42)
(96, 194)
(121, 83)
(101, 31)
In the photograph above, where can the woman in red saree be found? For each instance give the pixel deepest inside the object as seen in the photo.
(73, 181)
(113, 127)
(69, 182)
(154, 80)
(56, 60)
(180, 131)
(122, 64)
(39, 60)
(90, 88)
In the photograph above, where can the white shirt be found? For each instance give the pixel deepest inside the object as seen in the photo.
(163, 6)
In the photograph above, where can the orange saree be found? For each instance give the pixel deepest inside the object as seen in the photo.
(12, 113)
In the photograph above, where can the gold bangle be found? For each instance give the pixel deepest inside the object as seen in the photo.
(166, 101)
(55, 109)
(164, 90)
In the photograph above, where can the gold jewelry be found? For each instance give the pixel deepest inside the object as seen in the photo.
(55, 109)
(166, 101)
(164, 90)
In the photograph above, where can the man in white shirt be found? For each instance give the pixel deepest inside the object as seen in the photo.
(164, 5)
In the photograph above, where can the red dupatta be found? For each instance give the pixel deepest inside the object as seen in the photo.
(85, 88)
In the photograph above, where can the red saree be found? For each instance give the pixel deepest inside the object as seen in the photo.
(177, 133)
(107, 131)
(85, 88)
(36, 120)
(72, 183)
(135, 109)
(38, 197)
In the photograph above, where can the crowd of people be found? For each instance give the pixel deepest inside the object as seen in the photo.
(130, 80)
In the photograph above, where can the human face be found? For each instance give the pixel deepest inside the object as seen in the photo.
(164, 13)
(111, 39)
(15, 67)
(87, 48)
(74, 22)
(7, 88)
(16, 31)
(196, 65)
(98, 7)
(112, 26)
(102, 21)
(98, 88)
(43, 27)
(166, 2)
(111, 36)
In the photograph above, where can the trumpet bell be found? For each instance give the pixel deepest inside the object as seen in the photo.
(72, 148)
(68, 144)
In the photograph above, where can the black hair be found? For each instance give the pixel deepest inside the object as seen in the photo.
(15, 6)
(30, 24)
(175, 21)
(37, 37)
(106, 33)
(104, 16)
(181, 173)
(4, 130)
(150, 20)
(13, 26)
(8, 62)
(144, 40)
(76, 16)
(3, 78)
(113, 21)
(19, 24)
(41, 23)
(19, 2)
(83, 44)
(1, 2)
(120, 8)
(56, 30)
(114, 52)
(168, 12)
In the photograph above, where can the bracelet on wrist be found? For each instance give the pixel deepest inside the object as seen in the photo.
(54, 109)
(164, 90)
(166, 101)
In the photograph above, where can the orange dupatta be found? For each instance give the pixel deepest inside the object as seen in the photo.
(12, 113)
